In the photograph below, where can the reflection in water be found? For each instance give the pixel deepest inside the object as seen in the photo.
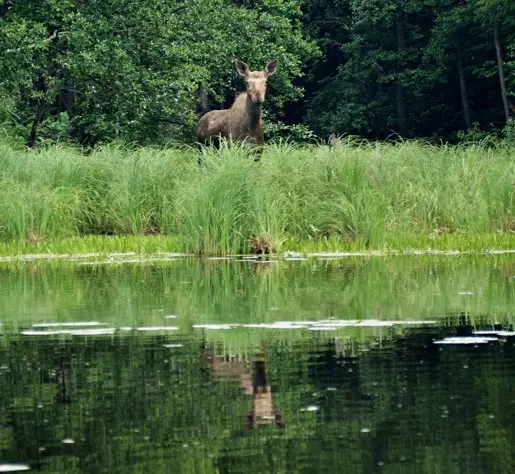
(62, 373)
(78, 398)
(129, 403)
(253, 380)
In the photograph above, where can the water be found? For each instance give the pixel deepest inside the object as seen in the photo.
(395, 365)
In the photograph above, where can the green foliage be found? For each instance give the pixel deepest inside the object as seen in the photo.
(509, 132)
(476, 136)
(279, 131)
(394, 68)
(9, 132)
(93, 72)
(131, 69)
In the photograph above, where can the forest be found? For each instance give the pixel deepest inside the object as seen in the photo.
(92, 72)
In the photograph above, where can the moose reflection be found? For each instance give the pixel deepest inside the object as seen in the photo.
(252, 378)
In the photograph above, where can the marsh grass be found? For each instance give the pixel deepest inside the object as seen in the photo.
(351, 196)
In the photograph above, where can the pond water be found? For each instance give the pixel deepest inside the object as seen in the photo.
(398, 365)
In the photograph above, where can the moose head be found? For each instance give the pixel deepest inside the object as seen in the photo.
(256, 80)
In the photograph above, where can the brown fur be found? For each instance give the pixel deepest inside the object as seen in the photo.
(243, 120)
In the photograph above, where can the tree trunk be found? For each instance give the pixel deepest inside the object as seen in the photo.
(463, 87)
(500, 66)
(4, 8)
(400, 99)
(40, 105)
(378, 124)
(67, 99)
(35, 125)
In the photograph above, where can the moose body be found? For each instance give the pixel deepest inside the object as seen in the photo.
(243, 120)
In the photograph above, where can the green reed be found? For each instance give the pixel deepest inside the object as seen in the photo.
(376, 196)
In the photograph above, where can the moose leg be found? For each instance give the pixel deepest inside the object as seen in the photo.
(260, 142)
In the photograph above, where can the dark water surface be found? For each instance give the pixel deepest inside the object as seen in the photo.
(397, 365)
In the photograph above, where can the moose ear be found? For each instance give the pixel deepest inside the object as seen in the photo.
(242, 68)
(271, 67)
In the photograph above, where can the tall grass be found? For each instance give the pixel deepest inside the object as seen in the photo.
(376, 195)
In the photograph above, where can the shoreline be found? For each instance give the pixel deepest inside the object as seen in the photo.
(128, 249)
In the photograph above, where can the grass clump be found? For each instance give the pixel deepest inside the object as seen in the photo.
(345, 197)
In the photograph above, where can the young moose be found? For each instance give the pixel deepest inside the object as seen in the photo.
(243, 120)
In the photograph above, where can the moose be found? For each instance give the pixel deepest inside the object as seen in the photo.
(243, 120)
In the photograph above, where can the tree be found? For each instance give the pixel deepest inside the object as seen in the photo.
(132, 69)
(494, 14)
(449, 44)
(378, 85)
(414, 68)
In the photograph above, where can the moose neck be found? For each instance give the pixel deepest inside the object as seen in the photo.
(253, 113)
